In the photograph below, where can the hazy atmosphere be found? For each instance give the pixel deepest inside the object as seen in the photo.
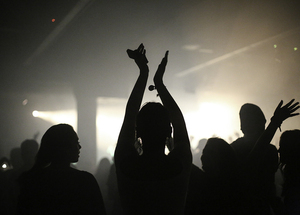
(67, 60)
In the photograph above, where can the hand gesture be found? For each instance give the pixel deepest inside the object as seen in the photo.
(161, 69)
(283, 112)
(139, 56)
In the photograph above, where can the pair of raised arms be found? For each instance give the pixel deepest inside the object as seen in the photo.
(127, 133)
(139, 56)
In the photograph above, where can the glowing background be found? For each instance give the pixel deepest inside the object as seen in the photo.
(222, 55)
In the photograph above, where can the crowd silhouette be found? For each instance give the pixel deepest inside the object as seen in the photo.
(218, 178)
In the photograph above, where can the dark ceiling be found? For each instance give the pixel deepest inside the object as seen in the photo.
(83, 42)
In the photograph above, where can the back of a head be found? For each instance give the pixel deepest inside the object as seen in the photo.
(290, 147)
(252, 119)
(153, 120)
(53, 143)
(29, 149)
(218, 157)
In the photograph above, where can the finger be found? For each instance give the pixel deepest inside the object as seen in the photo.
(288, 104)
(279, 105)
(141, 50)
(294, 114)
(294, 105)
(141, 47)
(294, 109)
(165, 59)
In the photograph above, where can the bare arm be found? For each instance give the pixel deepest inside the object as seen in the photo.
(180, 134)
(281, 113)
(125, 144)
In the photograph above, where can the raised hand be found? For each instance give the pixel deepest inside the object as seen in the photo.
(139, 56)
(283, 112)
(161, 69)
(126, 137)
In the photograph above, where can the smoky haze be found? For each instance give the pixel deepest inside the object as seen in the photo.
(54, 54)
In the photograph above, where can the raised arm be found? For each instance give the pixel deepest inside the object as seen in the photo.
(125, 144)
(281, 113)
(180, 134)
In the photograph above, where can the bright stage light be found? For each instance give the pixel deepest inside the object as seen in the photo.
(4, 165)
(56, 117)
(211, 120)
(35, 113)
(110, 114)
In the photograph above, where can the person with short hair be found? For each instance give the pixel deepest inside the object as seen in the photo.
(149, 181)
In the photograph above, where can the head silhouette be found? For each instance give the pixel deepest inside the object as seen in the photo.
(59, 144)
(289, 147)
(252, 120)
(153, 125)
(218, 158)
(29, 149)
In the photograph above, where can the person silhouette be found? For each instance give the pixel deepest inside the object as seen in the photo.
(114, 206)
(16, 158)
(259, 186)
(252, 122)
(149, 181)
(197, 152)
(101, 176)
(26, 154)
(29, 149)
(214, 188)
(51, 186)
(257, 173)
(289, 151)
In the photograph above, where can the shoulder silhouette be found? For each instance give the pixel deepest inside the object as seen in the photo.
(52, 186)
(214, 188)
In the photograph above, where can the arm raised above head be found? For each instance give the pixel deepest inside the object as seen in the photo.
(125, 144)
(180, 134)
(281, 113)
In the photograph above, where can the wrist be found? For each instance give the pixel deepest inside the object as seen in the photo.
(144, 73)
(144, 69)
(144, 66)
(159, 84)
(276, 122)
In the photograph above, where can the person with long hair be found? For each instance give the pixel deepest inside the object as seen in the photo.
(150, 181)
(52, 186)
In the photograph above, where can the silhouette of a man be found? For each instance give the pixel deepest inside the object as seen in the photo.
(258, 173)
